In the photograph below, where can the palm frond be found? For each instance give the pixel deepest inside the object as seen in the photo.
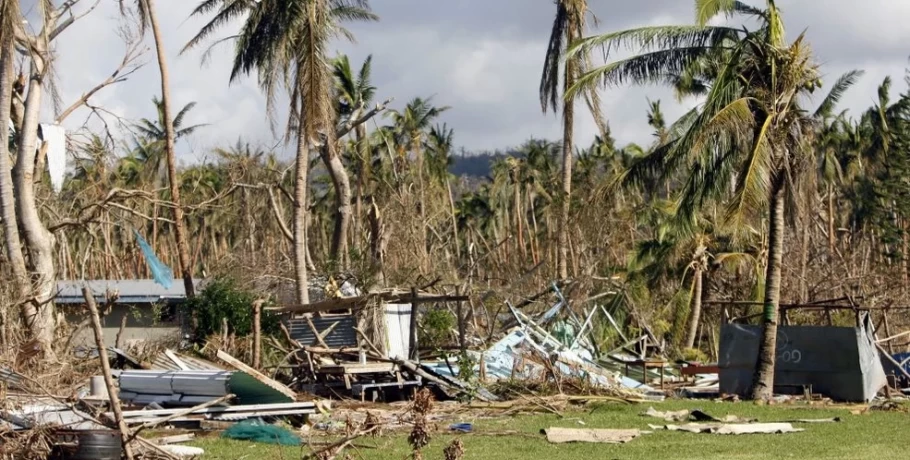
(648, 68)
(646, 39)
(549, 80)
(755, 178)
(706, 10)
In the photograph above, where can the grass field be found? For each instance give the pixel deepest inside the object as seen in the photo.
(872, 435)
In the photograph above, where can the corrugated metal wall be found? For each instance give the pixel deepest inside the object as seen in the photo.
(343, 335)
(839, 362)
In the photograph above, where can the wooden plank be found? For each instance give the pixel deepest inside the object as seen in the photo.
(696, 370)
(239, 365)
(173, 439)
(179, 362)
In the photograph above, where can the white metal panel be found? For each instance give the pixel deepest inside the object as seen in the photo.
(398, 327)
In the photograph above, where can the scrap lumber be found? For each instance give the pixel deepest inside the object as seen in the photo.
(176, 439)
(179, 362)
(239, 365)
(178, 414)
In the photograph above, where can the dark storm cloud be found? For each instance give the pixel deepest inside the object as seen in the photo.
(482, 57)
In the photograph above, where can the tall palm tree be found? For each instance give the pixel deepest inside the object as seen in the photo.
(148, 16)
(9, 17)
(284, 42)
(354, 93)
(569, 25)
(750, 126)
(411, 127)
(155, 132)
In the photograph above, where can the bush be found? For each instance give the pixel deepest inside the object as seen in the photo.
(437, 325)
(222, 298)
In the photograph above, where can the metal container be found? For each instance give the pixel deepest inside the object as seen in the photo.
(97, 387)
(92, 445)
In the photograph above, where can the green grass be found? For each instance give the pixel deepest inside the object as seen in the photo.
(869, 436)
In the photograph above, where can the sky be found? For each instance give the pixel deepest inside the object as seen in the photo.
(481, 57)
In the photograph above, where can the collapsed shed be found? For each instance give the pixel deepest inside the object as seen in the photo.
(842, 363)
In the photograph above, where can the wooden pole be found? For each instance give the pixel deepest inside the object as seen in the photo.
(118, 344)
(257, 333)
(106, 372)
(412, 353)
(887, 331)
(461, 326)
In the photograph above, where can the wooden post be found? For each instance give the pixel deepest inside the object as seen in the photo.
(118, 344)
(224, 332)
(412, 353)
(257, 333)
(106, 372)
(461, 326)
(888, 331)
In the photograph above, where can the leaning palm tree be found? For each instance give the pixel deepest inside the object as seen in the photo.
(569, 25)
(284, 42)
(747, 136)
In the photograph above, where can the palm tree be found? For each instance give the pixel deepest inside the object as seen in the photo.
(355, 92)
(750, 126)
(9, 16)
(410, 127)
(148, 15)
(285, 42)
(830, 141)
(155, 132)
(569, 25)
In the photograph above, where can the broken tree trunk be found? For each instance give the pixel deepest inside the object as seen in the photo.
(257, 333)
(125, 436)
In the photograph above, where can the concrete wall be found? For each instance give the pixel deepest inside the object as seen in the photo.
(143, 324)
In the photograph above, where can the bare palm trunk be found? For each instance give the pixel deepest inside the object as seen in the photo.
(763, 380)
(454, 219)
(695, 311)
(300, 214)
(183, 250)
(341, 181)
(7, 196)
(568, 119)
(40, 242)
(518, 216)
(832, 237)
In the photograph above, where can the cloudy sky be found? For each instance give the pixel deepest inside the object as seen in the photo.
(481, 57)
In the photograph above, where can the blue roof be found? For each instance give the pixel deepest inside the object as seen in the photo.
(130, 291)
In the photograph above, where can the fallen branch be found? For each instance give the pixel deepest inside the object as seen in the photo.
(330, 451)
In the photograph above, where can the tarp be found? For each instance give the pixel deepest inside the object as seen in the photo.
(55, 138)
(839, 362)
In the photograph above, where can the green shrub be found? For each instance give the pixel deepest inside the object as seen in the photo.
(222, 298)
(437, 325)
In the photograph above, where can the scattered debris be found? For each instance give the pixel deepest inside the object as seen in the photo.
(183, 451)
(565, 435)
(751, 428)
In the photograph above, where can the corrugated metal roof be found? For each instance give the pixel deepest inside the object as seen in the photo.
(342, 335)
(10, 378)
(187, 387)
(130, 291)
(163, 363)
